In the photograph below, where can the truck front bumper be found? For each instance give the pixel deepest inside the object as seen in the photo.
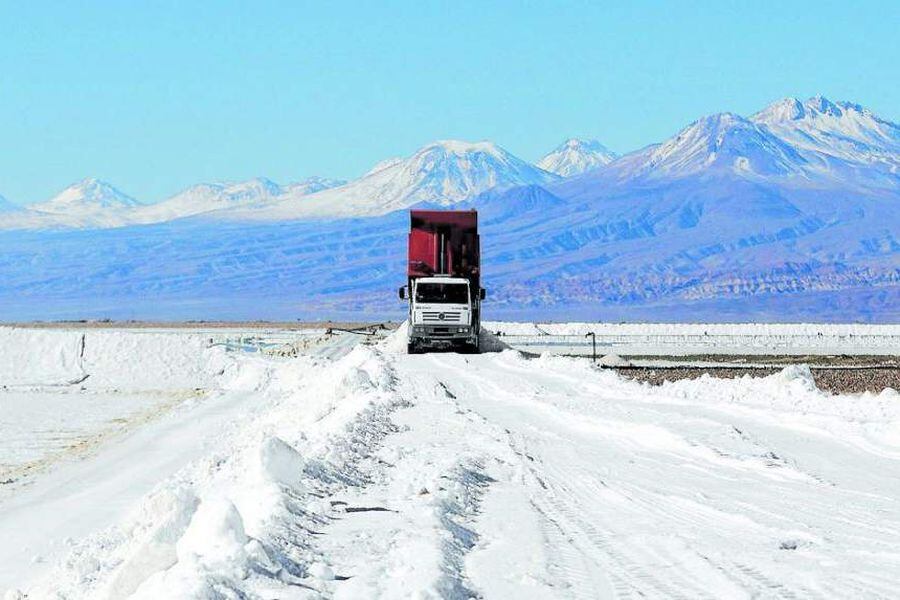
(440, 334)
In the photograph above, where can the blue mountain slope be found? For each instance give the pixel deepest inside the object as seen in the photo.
(199, 269)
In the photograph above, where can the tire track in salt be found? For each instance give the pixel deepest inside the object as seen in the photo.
(730, 484)
(801, 506)
(623, 567)
(627, 576)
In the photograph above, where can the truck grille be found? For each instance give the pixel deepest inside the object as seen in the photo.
(436, 317)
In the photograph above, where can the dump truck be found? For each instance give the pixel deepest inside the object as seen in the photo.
(443, 281)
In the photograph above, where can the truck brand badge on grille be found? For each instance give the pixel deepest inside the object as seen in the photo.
(441, 316)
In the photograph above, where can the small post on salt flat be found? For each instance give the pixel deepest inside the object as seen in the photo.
(593, 337)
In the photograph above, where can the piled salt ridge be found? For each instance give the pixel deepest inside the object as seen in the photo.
(238, 520)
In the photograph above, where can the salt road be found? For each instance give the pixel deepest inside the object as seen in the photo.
(377, 474)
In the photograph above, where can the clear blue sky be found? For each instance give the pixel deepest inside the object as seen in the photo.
(154, 97)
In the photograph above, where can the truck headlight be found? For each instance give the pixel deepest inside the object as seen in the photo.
(461, 329)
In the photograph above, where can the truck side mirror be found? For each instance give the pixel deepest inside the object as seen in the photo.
(482, 293)
(402, 292)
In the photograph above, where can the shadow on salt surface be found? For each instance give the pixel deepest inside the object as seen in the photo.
(489, 342)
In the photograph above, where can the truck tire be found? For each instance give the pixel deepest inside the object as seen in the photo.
(412, 348)
(468, 348)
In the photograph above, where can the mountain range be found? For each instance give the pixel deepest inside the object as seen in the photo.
(788, 214)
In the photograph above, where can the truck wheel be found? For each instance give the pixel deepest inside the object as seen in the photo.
(412, 349)
(468, 348)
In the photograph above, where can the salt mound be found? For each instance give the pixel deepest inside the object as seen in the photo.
(797, 375)
(169, 512)
(280, 463)
(215, 538)
(395, 343)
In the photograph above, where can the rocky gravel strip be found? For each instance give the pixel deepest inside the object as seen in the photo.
(834, 380)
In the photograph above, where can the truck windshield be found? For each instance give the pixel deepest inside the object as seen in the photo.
(442, 293)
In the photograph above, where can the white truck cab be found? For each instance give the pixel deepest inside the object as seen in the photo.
(442, 313)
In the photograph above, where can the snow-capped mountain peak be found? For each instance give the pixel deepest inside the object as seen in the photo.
(448, 171)
(824, 106)
(815, 108)
(816, 140)
(792, 109)
(462, 148)
(841, 130)
(207, 197)
(575, 156)
(722, 141)
(786, 109)
(444, 172)
(88, 196)
(463, 164)
(259, 190)
(204, 196)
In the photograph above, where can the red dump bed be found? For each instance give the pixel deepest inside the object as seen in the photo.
(444, 242)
